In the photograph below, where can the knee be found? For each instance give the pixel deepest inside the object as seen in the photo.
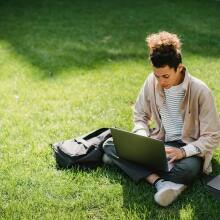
(186, 171)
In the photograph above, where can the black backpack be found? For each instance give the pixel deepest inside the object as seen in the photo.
(83, 152)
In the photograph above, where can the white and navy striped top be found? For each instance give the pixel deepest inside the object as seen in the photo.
(172, 119)
(170, 113)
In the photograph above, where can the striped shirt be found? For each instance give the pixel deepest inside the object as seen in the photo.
(170, 113)
(172, 119)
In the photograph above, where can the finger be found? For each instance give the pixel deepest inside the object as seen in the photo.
(172, 160)
(171, 156)
(169, 150)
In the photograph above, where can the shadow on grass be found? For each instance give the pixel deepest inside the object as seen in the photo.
(57, 35)
(197, 200)
(138, 199)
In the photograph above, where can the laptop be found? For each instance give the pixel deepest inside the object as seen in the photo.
(142, 150)
(214, 186)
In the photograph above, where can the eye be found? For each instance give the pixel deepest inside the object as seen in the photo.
(166, 76)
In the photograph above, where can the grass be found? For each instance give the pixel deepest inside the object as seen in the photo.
(68, 67)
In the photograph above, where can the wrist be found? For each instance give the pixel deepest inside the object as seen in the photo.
(183, 152)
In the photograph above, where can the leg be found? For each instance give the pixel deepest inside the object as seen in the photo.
(167, 191)
(185, 171)
(182, 174)
(135, 171)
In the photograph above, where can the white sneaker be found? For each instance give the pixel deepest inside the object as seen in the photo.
(167, 192)
(106, 159)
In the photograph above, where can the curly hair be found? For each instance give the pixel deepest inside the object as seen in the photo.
(165, 49)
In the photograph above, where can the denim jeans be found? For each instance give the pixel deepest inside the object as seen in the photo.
(184, 171)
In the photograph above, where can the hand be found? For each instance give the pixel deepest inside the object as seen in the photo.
(141, 132)
(174, 153)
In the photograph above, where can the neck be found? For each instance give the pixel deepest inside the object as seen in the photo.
(181, 76)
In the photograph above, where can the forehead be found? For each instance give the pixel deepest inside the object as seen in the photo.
(166, 70)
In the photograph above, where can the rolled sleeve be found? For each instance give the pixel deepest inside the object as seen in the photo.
(191, 150)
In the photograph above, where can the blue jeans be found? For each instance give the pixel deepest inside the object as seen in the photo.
(184, 171)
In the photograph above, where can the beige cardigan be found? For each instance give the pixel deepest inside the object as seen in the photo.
(201, 125)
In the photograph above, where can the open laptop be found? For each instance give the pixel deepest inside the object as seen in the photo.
(140, 149)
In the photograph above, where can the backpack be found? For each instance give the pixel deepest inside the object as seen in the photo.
(83, 152)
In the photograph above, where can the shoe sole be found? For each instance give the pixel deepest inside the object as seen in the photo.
(167, 196)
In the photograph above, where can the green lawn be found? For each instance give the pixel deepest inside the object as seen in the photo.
(68, 67)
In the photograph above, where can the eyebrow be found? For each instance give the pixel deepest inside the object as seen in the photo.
(165, 74)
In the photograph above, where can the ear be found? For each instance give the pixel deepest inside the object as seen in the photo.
(180, 67)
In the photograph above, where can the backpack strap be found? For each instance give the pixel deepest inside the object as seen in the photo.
(94, 137)
(84, 142)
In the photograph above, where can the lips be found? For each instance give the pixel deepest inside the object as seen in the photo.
(165, 87)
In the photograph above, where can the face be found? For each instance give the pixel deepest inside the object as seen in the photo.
(168, 77)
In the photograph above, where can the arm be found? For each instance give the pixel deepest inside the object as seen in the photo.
(209, 131)
(142, 112)
(209, 124)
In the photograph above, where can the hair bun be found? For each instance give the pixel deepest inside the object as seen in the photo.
(164, 41)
